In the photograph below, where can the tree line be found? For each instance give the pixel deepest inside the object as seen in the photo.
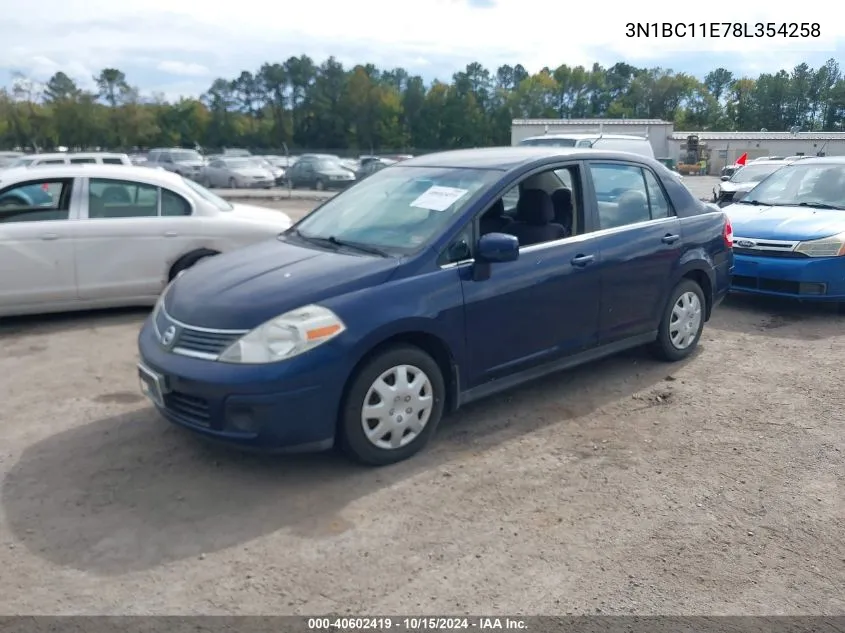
(305, 105)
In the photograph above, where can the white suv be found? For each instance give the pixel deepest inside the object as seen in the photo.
(71, 158)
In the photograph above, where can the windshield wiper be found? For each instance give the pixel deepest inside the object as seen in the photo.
(334, 243)
(754, 202)
(820, 205)
(363, 248)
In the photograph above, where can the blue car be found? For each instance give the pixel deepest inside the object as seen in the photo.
(789, 233)
(432, 283)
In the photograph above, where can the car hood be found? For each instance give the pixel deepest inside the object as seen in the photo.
(244, 288)
(784, 223)
(260, 214)
(729, 187)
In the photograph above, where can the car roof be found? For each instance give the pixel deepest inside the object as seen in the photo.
(782, 163)
(822, 160)
(595, 135)
(90, 170)
(507, 158)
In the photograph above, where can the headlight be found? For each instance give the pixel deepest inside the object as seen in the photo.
(833, 246)
(285, 336)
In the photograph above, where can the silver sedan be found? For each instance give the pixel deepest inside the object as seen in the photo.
(236, 173)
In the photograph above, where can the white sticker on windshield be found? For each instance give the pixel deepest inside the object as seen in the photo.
(439, 198)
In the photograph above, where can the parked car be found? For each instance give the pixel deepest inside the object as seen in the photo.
(279, 165)
(372, 165)
(790, 233)
(237, 153)
(419, 290)
(95, 236)
(732, 188)
(236, 173)
(7, 158)
(71, 158)
(319, 172)
(277, 173)
(184, 162)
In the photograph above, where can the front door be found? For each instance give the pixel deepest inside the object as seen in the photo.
(130, 239)
(36, 244)
(542, 306)
(640, 239)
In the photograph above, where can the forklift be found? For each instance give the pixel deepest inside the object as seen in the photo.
(693, 151)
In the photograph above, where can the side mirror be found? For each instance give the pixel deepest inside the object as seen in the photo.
(497, 247)
(725, 178)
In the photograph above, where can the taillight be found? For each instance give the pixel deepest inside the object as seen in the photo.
(728, 235)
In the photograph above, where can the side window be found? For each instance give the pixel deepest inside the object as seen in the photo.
(115, 199)
(53, 161)
(460, 249)
(35, 201)
(656, 197)
(174, 204)
(80, 161)
(112, 161)
(620, 193)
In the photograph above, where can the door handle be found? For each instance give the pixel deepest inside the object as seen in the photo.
(171, 234)
(670, 239)
(50, 236)
(582, 260)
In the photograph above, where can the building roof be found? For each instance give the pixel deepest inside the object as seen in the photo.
(761, 136)
(590, 122)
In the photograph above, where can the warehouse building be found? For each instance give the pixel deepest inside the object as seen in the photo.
(725, 147)
(657, 131)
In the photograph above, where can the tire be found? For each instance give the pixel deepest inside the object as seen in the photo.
(187, 261)
(233, 184)
(386, 366)
(686, 293)
(320, 185)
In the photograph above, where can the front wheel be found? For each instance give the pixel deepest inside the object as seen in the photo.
(233, 184)
(393, 406)
(682, 323)
(320, 185)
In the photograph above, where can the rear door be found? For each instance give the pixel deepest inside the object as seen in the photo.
(36, 243)
(133, 233)
(640, 241)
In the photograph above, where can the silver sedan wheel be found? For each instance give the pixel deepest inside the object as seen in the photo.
(685, 321)
(397, 407)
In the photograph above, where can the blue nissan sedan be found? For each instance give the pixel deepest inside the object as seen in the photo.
(434, 282)
(789, 233)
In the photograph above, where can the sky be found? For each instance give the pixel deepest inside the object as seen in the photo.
(178, 47)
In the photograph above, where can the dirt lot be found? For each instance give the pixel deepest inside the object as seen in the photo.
(627, 486)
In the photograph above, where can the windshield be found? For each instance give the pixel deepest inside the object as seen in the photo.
(802, 184)
(22, 162)
(260, 162)
(553, 142)
(186, 155)
(238, 163)
(398, 210)
(754, 173)
(206, 195)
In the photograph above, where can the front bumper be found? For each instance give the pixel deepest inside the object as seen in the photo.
(805, 278)
(281, 407)
(257, 184)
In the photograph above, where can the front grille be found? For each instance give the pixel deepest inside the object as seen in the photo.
(205, 342)
(806, 288)
(755, 252)
(187, 340)
(726, 196)
(188, 409)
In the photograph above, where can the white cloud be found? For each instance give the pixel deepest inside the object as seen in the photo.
(197, 38)
(183, 69)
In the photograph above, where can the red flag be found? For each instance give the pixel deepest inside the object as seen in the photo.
(742, 159)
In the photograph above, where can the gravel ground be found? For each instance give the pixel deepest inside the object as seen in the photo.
(712, 486)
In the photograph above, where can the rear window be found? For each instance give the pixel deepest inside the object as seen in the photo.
(112, 161)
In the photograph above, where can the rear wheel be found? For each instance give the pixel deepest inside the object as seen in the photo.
(320, 185)
(233, 184)
(682, 323)
(393, 406)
